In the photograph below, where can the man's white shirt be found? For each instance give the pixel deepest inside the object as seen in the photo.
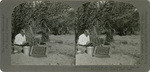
(83, 39)
(19, 39)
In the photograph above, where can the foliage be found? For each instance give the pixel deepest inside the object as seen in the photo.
(118, 17)
(44, 17)
(58, 18)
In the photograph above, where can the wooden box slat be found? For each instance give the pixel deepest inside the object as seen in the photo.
(100, 51)
(38, 51)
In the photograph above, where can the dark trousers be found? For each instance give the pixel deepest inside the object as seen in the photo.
(17, 49)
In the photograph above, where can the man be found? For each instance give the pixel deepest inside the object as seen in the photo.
(83, 41)
(20, 41)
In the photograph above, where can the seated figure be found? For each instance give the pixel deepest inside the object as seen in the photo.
(20, 42)
(83, 41)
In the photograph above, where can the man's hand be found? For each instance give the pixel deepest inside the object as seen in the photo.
(88, 43)
(24, 42)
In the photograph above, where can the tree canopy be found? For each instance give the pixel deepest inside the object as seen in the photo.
(59, 18)
(118, 17)
(49, 17)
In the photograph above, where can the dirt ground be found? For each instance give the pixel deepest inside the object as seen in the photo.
(125, 50)
(60, 52)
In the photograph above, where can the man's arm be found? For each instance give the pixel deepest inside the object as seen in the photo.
(81, 41)
(16, 41)
(19, 42)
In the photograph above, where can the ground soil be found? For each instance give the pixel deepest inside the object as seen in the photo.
(125, 50)
(60, 51)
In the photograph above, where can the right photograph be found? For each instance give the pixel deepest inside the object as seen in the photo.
(107, 33)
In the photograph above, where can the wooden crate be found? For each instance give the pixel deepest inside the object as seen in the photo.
(38, 51)
(100, 51)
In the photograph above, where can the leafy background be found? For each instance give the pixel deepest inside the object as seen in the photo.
(57, 18)
(43, 17)
(109, 18)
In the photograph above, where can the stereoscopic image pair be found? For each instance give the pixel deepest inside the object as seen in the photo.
(94, 33)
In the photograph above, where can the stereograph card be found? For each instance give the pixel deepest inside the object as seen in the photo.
(75, 35)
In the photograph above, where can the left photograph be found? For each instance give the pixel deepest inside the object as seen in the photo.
(43, 34)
